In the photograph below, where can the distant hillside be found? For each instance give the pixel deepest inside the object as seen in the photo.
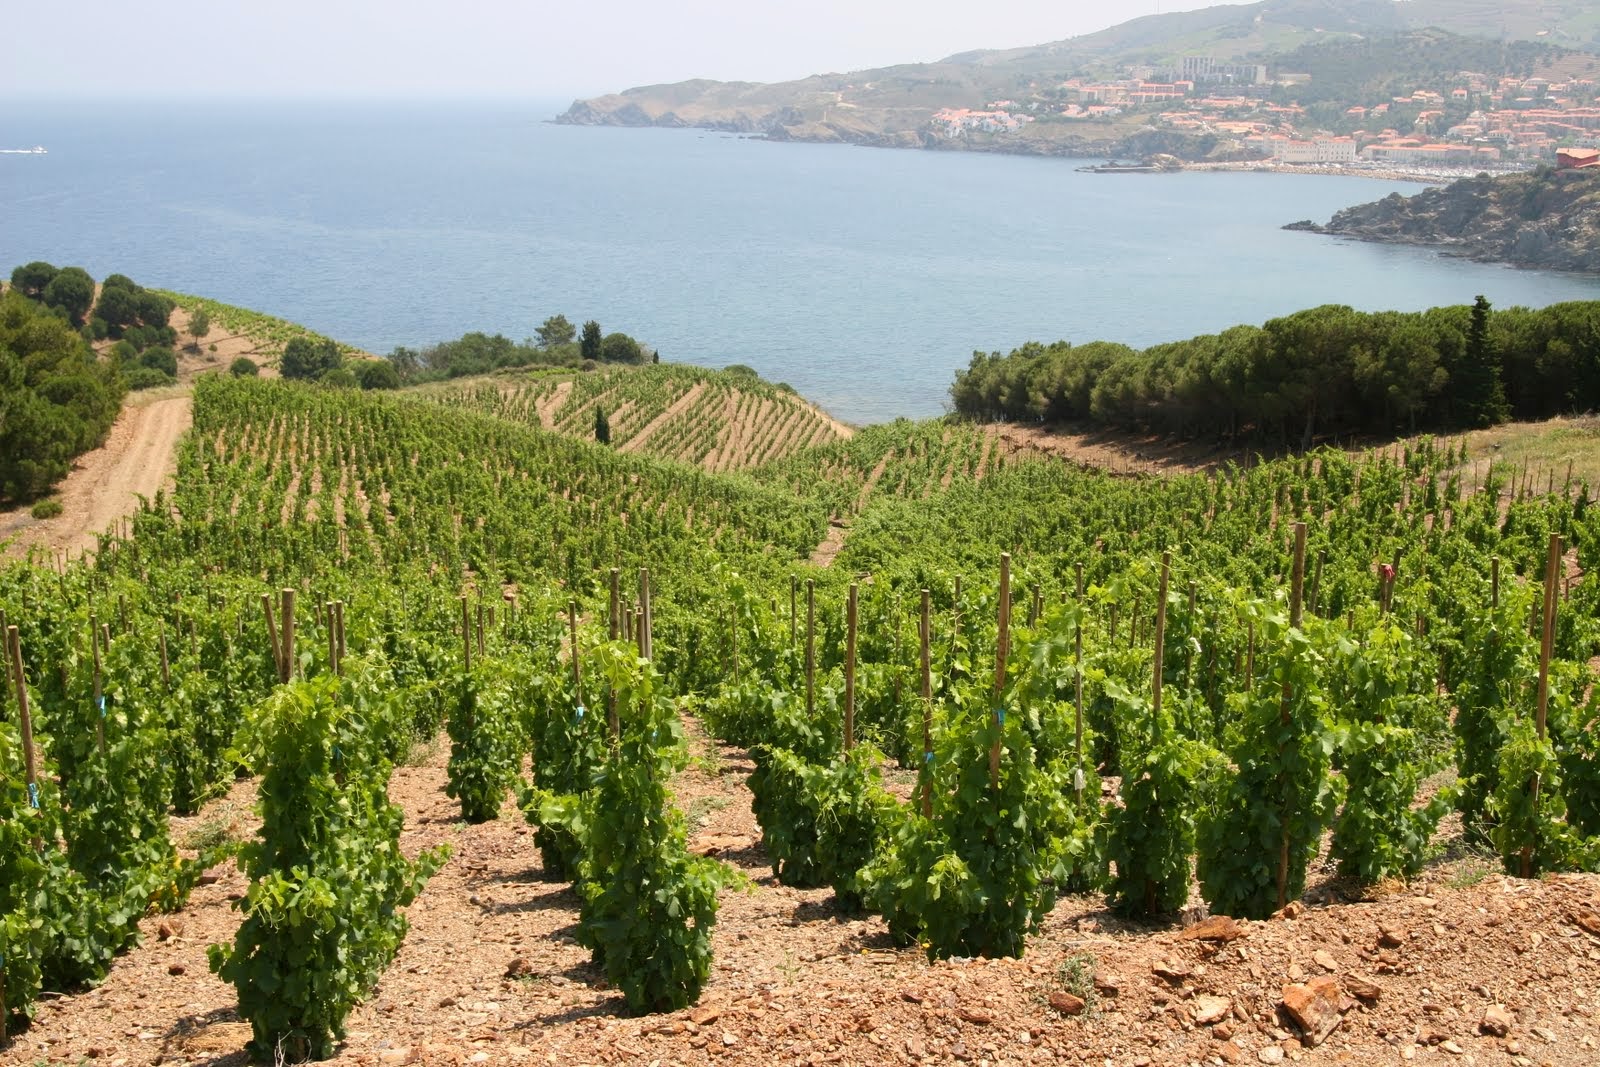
(1345, 46)
(1545, 219)
(717, 420)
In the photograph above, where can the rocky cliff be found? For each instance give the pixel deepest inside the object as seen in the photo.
(1544, 219)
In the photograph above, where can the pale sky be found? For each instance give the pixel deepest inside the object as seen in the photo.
(539, 49)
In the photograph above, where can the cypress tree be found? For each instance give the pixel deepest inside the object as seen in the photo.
(602, 426)
(1479, 392)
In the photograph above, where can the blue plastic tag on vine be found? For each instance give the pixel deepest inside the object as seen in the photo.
(102, 706)
(33, 795)
(1000, 716)
(580, 712)
(927, 757)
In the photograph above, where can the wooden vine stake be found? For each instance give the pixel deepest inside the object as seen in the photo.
(1077, 662)
(272, 634)
(333, 642)
(614, 629)
(794, 587)
(1002, 650)
(577, 669)
(30, 759)
(850, 670)
(98, 708)
(466, 634)
(286, 664)
(338, 622)
(1296, 591)
(1552, 591)
(1161, 642)
(647, 630)
(166, 668)
(811, 648)
(925, 637)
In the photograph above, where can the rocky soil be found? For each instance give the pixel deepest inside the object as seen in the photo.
(1464, 966)
(1546, 219)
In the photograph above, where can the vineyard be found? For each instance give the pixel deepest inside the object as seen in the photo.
(720, 421)
(408, 730)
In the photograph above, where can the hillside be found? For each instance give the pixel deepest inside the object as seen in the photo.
(717, 420)
(899, 747)
(1298, 39)
(1547, 219)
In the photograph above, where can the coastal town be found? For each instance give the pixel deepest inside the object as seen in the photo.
(1479, 123)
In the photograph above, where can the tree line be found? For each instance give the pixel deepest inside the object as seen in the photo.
(1327, 370)
(556, 343)
(57, 398)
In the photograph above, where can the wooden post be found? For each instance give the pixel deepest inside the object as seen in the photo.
(286, 665)
(1552, 591)
(577, 670)
(647, 646)
(19, 681)
(30, 759)
(1298, 575)
(480, 628)
(1002, 650)
(1194, 636)
(794, 587)
(1296, 589)
(338, 617)
(811, 648)
(99, 696)
(850, 670)
(614, 623)
(1161, 642)
(1077, 662)
(925, 636)
(466, 634)
(333, 642)
(272, 634)
(1034, 605)
(1316, 580)
(1494, 582)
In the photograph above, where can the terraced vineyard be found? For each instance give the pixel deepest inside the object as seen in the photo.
(716, 420)
(1286, 676)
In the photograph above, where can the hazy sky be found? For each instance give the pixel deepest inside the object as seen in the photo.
(499, 47)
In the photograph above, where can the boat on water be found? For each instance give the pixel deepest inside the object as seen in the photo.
(36, 150)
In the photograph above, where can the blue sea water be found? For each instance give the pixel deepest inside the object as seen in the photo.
(862, 277)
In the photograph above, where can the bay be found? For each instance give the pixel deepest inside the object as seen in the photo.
(862, 277)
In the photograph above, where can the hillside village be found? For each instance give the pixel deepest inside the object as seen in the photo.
(1481, 121)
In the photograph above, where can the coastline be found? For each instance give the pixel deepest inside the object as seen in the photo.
(1389, 172)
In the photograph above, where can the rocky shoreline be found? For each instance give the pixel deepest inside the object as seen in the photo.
(1546, 220)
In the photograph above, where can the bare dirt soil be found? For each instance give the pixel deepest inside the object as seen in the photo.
(138, 459)
(491, 973)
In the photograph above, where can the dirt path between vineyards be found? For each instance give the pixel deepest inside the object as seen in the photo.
(138, 459)
(491, 971)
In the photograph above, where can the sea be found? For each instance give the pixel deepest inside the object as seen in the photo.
(862, 277)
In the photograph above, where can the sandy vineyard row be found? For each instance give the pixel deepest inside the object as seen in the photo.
(491, 973)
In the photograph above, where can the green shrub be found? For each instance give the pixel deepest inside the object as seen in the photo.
(147, 378)
(338, 378)
(47, 509)
(243, 367)
(160, 358)
(377, 374)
